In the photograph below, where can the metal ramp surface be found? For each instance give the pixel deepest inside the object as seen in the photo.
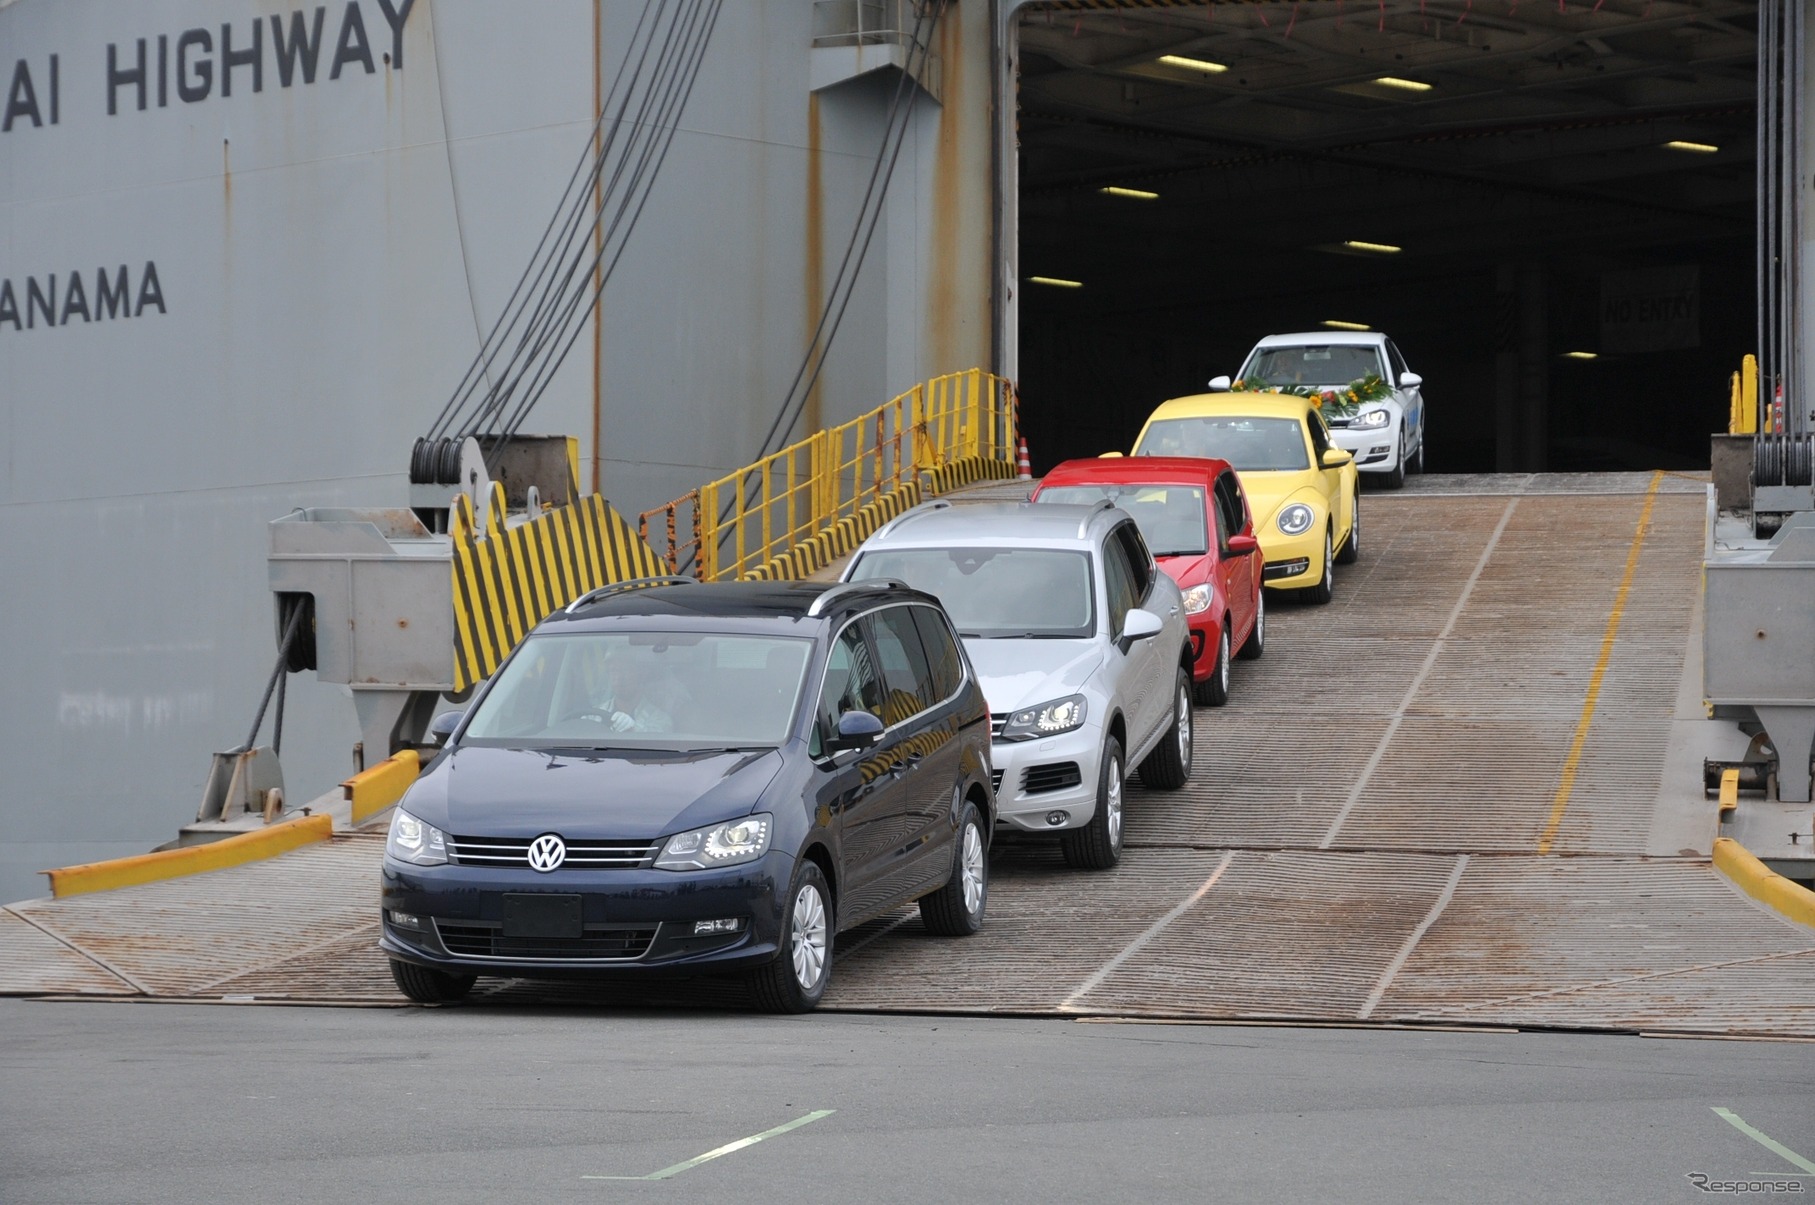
(1407, 813)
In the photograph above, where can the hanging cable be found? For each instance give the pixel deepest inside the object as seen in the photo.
(562, 294)
(560, 286)
(845, 281)
(572, 203)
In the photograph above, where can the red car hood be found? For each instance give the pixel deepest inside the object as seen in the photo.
(1187, 571)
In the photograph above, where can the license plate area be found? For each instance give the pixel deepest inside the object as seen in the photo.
(541, 915)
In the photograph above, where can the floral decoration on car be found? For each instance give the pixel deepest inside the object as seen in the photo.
(1345, 400)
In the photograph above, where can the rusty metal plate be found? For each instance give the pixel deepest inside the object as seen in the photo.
(1049, 928)
(1284, 934)
(1621, 943)
(182, 936)
(1443, 485)
(34, 963)
(1260, 779)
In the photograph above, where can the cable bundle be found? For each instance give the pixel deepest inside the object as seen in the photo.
(582, 243)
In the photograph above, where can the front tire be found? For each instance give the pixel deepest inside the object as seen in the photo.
(1098, 845)
(426, 985)
(1168, 767)
(1214, 690)
(1325, 589)
(795, 981)
(1351, 547)
(1256, 643)
(1394, 479)
(956, 909)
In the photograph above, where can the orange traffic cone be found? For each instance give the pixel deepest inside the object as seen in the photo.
(1024, 468)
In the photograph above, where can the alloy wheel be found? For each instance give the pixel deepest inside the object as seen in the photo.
(809, 938)
(1184, 713)
(1112, 803)
(971, 869)
(1222, 659)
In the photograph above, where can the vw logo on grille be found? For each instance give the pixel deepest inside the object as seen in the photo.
(547, 852)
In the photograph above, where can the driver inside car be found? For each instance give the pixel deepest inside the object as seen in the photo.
(634, 703)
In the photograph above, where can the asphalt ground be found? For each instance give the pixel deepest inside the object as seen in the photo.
(153, 1103)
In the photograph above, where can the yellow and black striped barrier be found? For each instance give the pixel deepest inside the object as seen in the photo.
(508, 579)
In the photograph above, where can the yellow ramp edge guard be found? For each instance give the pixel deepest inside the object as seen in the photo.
(190, 859)
(508, 580)
(1762, 883)
(373, 790)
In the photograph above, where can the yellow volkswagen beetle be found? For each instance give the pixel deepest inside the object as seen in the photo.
(1304, 490)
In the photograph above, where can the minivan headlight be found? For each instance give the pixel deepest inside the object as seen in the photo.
(724, 844)
(416, 842)
(1296, 519)
(1048, 719)
(1197, 599)
(1371, 420)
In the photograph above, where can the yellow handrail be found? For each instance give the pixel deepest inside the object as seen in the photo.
(745, 519)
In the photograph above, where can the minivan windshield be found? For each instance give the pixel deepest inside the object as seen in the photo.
(997, 592)
(1251, 445)
(1171, 517)
(1326, 364)
(643, 690)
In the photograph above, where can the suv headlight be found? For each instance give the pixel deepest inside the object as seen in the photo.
(1370, 420)
(413, 841)
(1048, 719)
(724, 844)
(1197, 599)
(1296, 519)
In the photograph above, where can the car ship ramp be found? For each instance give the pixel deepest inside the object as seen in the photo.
(1466, 792)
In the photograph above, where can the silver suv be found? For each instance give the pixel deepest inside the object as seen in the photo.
(1079, 643)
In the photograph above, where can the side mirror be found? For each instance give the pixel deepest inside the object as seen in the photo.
(1243, 545)
(1219, 384)
(1141, 624)
(1410, 380)
(443, 725)
(1109, 456)
(856, 730)
(1335, 458)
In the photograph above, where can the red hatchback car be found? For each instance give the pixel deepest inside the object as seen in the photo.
(1179, 503)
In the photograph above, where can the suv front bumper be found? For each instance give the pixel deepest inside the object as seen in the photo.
(1037, 779)
(635, 922)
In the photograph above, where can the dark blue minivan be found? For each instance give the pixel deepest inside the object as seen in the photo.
(675, 777)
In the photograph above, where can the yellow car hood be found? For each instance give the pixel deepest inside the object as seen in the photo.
(1269, 491)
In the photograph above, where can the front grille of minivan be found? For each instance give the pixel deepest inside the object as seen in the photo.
(995, 780)
(997, 721)
(513, 852)
(1055, 776)
(602, 943)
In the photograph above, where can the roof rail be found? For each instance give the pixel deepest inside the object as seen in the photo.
(636, 583)
(1084, 523)
(867, 586)
(925, 508)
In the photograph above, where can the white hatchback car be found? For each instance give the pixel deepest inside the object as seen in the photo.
(1386, 437)
(1080, 645)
